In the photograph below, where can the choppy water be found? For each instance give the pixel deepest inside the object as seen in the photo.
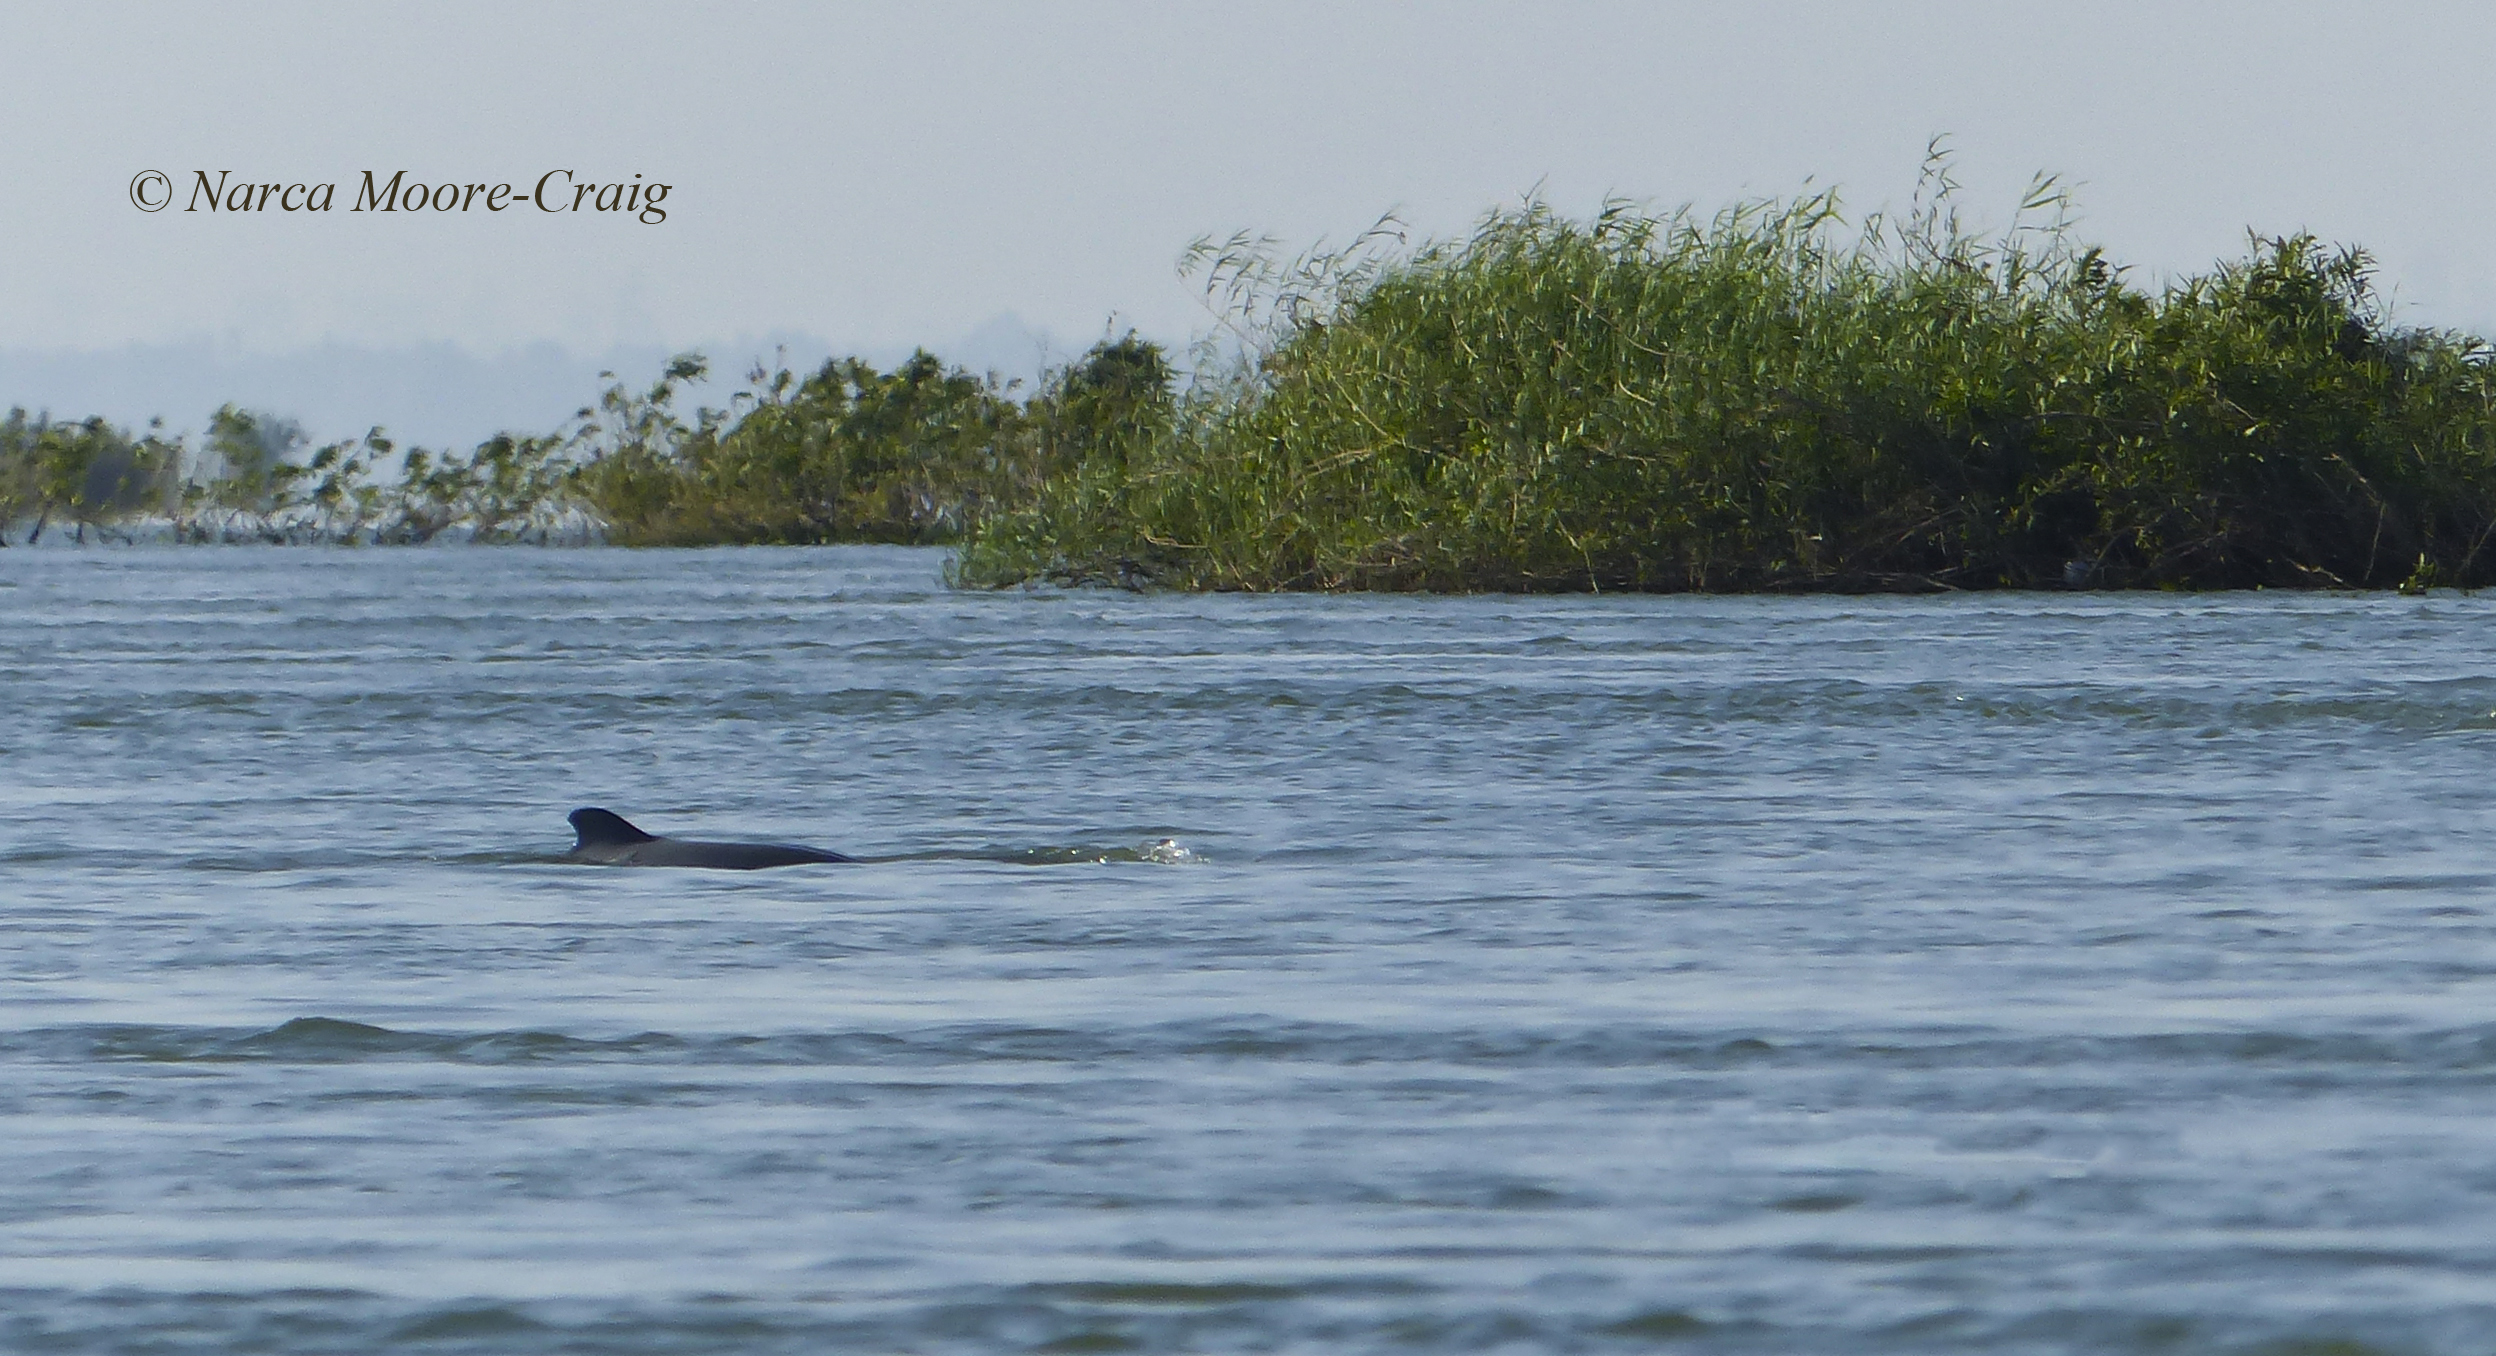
(2036, 973)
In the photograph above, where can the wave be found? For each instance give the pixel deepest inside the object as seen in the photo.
(1380, 1305)
(325, 1039)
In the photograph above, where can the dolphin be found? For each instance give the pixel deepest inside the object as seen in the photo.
(608, 838)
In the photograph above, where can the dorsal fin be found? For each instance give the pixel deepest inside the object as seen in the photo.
(604, 828)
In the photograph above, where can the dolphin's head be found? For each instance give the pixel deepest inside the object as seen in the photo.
(603, 831)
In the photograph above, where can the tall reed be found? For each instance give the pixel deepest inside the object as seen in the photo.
(1770, 399)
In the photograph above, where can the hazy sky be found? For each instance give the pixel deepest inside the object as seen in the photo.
(879, 176)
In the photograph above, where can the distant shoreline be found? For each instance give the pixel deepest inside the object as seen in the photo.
(1769, 400)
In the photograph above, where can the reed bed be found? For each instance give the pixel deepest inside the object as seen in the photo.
(1768, 398)
(1771, 398)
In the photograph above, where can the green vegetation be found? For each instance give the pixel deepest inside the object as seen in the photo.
(1768, 399)
(84, 474)
(850, 453)
(917, 454)
(248, 481)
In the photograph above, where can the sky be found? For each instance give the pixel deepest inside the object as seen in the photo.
(1007, 184)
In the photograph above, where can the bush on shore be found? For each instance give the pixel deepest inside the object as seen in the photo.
(1765, 400)
(850, 453)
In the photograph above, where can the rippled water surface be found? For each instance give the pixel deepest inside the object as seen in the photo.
(2040, 973)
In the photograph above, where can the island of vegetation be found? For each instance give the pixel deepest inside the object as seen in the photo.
(1768, 399)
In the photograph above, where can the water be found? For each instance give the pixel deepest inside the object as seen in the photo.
(2046, 973)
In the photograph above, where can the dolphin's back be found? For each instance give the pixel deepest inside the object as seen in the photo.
(727, 856)
(608, 837)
